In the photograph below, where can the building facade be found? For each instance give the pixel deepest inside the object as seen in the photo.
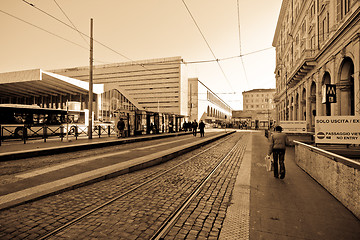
(204, 104)
(158, 85)
(317, 43)
(258, 109)
(259, 100)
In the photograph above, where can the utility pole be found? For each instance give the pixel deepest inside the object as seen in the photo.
(286, 101)
(91, 82)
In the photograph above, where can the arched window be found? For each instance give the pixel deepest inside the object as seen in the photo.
(347, 87)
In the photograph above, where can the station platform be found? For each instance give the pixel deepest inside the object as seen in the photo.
(296, 207)
(49, 180)
(262, 207)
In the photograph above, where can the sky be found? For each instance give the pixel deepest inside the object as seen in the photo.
(131, 30)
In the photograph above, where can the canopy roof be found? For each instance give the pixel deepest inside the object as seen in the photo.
(37, 83)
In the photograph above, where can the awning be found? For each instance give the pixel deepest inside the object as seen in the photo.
(37, 83)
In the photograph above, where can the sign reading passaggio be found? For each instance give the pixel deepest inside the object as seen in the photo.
(337, 129)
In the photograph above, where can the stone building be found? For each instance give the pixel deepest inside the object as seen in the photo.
(258, 108)
(204, 104)
(317, 43)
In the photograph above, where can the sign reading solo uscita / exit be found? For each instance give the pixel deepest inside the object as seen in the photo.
(337, 129)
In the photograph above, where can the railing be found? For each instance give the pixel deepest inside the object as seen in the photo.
(25, 132)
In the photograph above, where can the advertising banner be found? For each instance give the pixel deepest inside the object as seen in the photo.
(337, 129)
(293, 126)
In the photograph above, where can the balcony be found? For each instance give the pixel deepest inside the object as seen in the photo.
(305, 64)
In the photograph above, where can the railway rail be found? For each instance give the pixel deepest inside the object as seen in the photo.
(174, 187)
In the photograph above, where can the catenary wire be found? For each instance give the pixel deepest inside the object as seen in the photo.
(217, 60)
(57, 19)
(54, 34)
(190, 62)
(81, 35)
(71, 22)
(242, 60)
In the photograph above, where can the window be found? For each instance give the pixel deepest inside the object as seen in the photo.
(342, 8)
(312, 10)
(303, 27)
(324, 27)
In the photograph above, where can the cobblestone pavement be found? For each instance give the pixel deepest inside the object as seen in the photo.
(136, 217)
(204, 218)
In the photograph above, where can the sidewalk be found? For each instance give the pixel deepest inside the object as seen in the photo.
(296, 207)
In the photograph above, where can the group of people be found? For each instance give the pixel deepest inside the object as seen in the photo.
(186, 126)
(194, 126)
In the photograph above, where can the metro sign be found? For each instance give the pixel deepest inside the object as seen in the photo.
(329, 93)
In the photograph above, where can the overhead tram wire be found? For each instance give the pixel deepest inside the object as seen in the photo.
(71, 23)
(242, 60)
(54, 34)
(76, 29)
(140, 64)
(32, 5)
(144, 64)
(47, 31)
(217, 60)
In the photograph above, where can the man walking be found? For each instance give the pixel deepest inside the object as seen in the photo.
(202, 128)
(194, 127)
(277, 146)
(120, 126)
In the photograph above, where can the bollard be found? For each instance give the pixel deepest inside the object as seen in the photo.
(44, 133)
(109, 129)
(62, 132)
(99, 131)
(24, 134)
(76, 131)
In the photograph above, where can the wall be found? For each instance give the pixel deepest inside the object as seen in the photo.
(338, 175)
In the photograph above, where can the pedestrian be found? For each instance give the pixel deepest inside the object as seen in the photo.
(202, 128)
(120, 126)
(277, 146)
(151, 128)
(170, 127)
(185, 126)
(194, 127)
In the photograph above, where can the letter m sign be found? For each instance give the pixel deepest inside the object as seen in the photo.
(330, 93)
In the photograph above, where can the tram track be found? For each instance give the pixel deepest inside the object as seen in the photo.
(166, 225)
(169, 223)
(126, 198)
